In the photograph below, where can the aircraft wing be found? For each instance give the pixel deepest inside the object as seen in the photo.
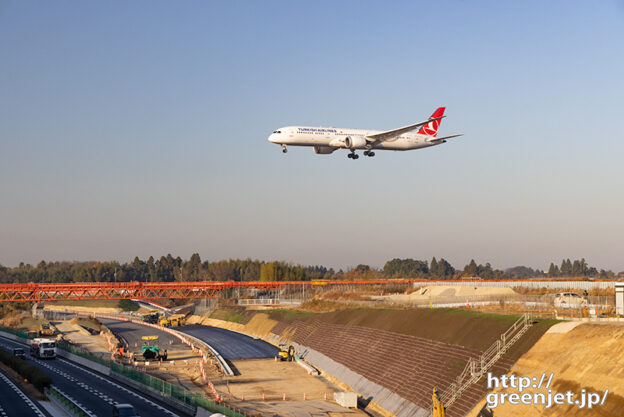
(389, 134)
(434, 140)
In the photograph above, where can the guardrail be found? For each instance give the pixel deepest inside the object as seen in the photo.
(170, 393)
(67, 403)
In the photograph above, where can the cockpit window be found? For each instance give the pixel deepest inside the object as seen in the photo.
(277, 131)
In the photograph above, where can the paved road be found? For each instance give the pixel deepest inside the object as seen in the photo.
(14, 402)
(133, 332)
(95, 392)
(231, 345)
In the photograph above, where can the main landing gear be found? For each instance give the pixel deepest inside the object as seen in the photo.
(353, 155)
(284, 150)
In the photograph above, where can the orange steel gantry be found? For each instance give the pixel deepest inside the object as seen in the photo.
(148, 290)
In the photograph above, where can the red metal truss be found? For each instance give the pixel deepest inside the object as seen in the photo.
(146, 290)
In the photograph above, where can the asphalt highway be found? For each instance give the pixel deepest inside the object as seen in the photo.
(14, 402)
(132, 334)
(95, 392)
(231, 345)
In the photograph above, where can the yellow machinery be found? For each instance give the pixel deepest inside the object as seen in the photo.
(437, 407)
(46, 330)
(286, 355)
(173, 321)
(177, 320)
(151, 350)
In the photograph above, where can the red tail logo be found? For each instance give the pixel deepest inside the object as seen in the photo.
(431, 128)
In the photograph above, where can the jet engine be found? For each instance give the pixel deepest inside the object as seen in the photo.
(354, 142)
(324, 150)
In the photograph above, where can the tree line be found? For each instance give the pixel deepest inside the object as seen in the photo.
(170, 269)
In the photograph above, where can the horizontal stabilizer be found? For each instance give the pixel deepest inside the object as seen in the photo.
(434, 140)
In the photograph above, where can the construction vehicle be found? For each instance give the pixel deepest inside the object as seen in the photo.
(438, 409)
(45, 329)
(151, 350)
(286, 355)
(43, 348)
(150, 317)
(173, 321)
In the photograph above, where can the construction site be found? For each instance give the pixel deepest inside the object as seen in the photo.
(345, 349)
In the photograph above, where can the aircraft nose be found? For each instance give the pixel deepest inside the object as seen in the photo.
(272, 138)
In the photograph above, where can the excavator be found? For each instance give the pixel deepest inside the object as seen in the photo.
(438, 409)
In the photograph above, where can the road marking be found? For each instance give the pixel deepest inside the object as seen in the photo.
(101, 395)
(22, 395)
(121, 388)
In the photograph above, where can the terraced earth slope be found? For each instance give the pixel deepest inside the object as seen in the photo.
(406, 351)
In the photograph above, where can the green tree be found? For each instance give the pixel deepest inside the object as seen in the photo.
(471, 268)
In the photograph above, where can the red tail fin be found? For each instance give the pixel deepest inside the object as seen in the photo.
(431, 128)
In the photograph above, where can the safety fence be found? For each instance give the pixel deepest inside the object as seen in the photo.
(162, 387)
(17, 333)
(180, 394)
(545, 305)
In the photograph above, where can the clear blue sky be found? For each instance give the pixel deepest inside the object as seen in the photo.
(140, 128)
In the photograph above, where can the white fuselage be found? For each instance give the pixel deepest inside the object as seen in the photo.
(337, 138)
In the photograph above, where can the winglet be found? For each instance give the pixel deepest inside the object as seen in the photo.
(431, 128)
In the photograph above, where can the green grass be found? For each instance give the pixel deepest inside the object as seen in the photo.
(228, 315)
(127, 305)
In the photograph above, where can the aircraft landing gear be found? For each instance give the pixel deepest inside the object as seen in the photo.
(353, 155)
(284, 150)
(369, 153)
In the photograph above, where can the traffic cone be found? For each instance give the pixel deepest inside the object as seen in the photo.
(284, 397)
(304, 396)
(325, 396)
(263, 396)
(243, 398)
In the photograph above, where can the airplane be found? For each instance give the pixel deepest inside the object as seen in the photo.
(326, 140)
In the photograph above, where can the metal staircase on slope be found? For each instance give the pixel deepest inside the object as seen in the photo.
(476, 368)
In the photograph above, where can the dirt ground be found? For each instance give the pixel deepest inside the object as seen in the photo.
(74, 333)
(82, 309)
(585, 356)
(447, 292)
(274, 380)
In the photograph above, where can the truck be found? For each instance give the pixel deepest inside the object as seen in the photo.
(173, 321)
(151, 317)
(45, 329)
(43, 348)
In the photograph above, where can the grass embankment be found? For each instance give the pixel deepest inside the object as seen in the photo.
(463, 327)
(35, 376)
(235, 315)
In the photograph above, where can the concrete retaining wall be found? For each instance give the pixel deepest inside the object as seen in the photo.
(83, 361)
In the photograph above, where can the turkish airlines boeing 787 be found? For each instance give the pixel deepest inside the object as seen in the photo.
(327, 140)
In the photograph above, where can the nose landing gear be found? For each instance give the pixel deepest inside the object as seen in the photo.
(284, 150)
